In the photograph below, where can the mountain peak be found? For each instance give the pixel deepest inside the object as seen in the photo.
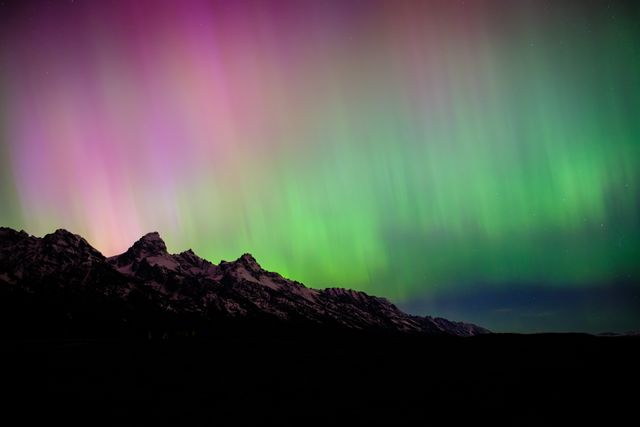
(150, 244)
(249, 261)
(7, 231)
(66, 241)
(63, 236)
(152, 236)
(9, 236)
(62, 233)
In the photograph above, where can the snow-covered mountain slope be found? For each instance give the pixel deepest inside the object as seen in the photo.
(147, 278)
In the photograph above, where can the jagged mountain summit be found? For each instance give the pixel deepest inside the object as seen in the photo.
(62, 280)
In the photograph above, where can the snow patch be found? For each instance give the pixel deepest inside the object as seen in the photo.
(163, 261)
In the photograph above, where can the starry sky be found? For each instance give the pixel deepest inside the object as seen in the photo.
(478, 160)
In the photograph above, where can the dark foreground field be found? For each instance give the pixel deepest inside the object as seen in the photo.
(299, 379)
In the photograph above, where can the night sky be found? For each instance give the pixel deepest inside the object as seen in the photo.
(478, 160)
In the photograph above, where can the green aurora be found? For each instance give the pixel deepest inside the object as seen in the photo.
(414, 153)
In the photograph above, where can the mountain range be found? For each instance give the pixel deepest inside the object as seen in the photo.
(60, 284)
(82, 339)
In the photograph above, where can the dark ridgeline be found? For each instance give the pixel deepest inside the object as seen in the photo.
(59, 285)
(149, 338)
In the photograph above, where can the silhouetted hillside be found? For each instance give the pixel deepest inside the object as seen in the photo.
(59, 285)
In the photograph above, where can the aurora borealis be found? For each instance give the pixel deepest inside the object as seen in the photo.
(431, 152)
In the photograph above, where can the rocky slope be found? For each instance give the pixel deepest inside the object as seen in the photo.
(60, 280)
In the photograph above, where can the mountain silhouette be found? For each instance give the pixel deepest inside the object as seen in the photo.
(60, 282)
(152, 338)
